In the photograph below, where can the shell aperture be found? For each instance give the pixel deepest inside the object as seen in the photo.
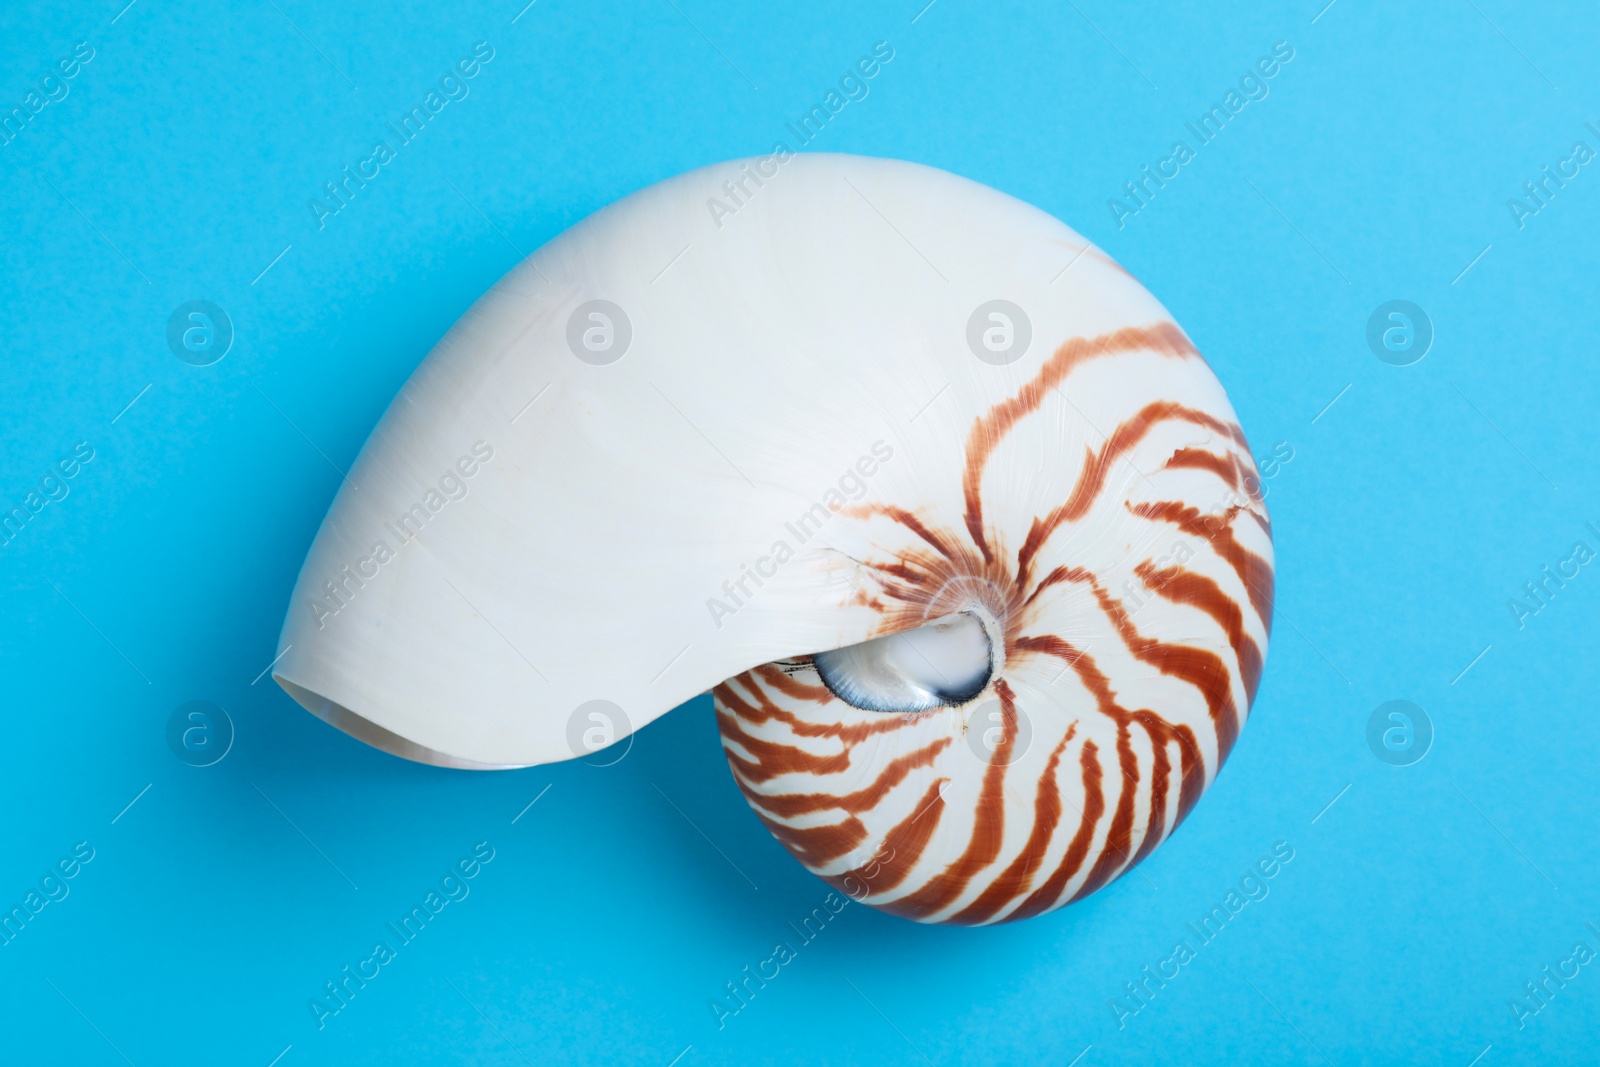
(987, 612)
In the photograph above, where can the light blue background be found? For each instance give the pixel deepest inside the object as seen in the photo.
(1380, 165)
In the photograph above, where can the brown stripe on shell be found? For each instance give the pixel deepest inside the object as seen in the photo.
(1048, 895)
(987, 432)
(983, 845)
(902, 847)
(1018, 877)
(791, 804)
(1200, 459)
(1186, 587)
(1253, 571)
(1096, 466)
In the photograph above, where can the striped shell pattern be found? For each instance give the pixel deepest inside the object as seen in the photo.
(1111, 531)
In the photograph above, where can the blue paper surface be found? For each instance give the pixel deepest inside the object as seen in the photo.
(1423, 153)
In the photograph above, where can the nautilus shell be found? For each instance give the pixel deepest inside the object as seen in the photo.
(950, 515)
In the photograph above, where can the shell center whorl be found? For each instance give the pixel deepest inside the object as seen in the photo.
(945, 662)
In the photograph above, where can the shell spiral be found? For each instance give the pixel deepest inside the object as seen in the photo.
(1132, 614)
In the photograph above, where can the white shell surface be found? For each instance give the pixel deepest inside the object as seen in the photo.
(779, 352)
